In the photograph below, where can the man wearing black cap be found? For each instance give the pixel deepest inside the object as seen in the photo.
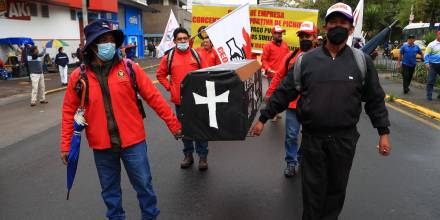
(408, 56)
(329, 109)
(115, 129)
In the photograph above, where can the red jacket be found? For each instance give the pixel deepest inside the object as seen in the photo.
(182, 64)
(124, 105)
(208, 57)
(272, 56)
(280, 74)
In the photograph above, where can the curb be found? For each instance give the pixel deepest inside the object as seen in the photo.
(428, 112)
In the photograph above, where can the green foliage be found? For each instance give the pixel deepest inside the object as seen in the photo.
(378, 14)
(429, 37)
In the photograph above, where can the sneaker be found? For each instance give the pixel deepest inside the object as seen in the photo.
(33, 104)
(290, 171)
(187, 161)
(44, 102)
(203, 164)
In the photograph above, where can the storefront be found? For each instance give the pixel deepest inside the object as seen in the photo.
(130, 22)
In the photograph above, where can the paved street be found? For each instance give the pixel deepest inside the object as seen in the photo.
(244, 180)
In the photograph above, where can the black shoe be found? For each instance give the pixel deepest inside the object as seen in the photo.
(405, 91)
(290, 171)
(187, 161)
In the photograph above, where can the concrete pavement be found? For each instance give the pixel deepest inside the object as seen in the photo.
(20, 88)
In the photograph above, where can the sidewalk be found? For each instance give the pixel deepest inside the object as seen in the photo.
(417, 95)
(22, 87)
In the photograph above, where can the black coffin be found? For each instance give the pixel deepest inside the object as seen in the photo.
(233, 92)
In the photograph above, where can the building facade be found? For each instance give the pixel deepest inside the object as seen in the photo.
(156, 20)
(49, 20)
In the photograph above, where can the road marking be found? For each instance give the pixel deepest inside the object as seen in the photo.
(148, 67)
(428, 112)
(413, 116)
(55, 90)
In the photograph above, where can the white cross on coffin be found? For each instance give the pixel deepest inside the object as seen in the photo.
(211, 100)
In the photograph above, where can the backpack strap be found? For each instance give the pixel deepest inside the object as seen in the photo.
(361, 62)
(79, 87)
(297, 72)
(196, 55)
(129, 68)
(290, 58)
(170, 57)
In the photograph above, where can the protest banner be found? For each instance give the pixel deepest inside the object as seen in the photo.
(167, 40)
(230, 35)
(262, 20)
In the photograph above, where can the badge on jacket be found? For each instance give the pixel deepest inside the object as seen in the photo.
(121, 74)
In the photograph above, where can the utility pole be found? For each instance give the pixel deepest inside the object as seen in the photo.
(84, 13)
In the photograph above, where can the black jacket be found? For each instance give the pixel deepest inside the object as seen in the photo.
(331, 94)
(62, 59)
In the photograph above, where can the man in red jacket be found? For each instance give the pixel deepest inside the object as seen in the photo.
(180, 61)
(208, 54)
(273, 54)
(307, 39)
(115, 128)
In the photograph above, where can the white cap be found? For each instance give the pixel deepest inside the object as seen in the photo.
(277, 29)
(341, 8)
(307, 27)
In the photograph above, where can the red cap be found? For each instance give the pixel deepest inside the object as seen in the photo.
(307, 27)
(277, 29)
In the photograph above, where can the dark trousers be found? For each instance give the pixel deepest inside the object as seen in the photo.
(434, 70)
(407, 74)
(325, 168)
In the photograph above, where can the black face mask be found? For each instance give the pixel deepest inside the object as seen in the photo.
(305, 45)
(278, 41)
(337, 35)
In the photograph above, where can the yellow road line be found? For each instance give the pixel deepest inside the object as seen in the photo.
(411, 115)
(428, 112)
(55, 90)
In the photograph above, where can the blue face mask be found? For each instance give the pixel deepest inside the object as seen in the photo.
(182, 46)
(106, 51)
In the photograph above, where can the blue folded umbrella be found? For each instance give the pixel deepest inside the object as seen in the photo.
(72, 160)
(377, 39)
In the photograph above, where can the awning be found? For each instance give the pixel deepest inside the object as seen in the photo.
(17, 40)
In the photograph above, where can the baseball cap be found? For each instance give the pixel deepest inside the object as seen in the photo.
(307, 27)
(340, 8)
(277, 29)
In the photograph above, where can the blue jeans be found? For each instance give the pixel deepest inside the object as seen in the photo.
(108, 164)
(291, 141)
(434, 70)
(201, 147)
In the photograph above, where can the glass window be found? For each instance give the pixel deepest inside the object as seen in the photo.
(33, 9)
(73, 14)
(44, 11)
